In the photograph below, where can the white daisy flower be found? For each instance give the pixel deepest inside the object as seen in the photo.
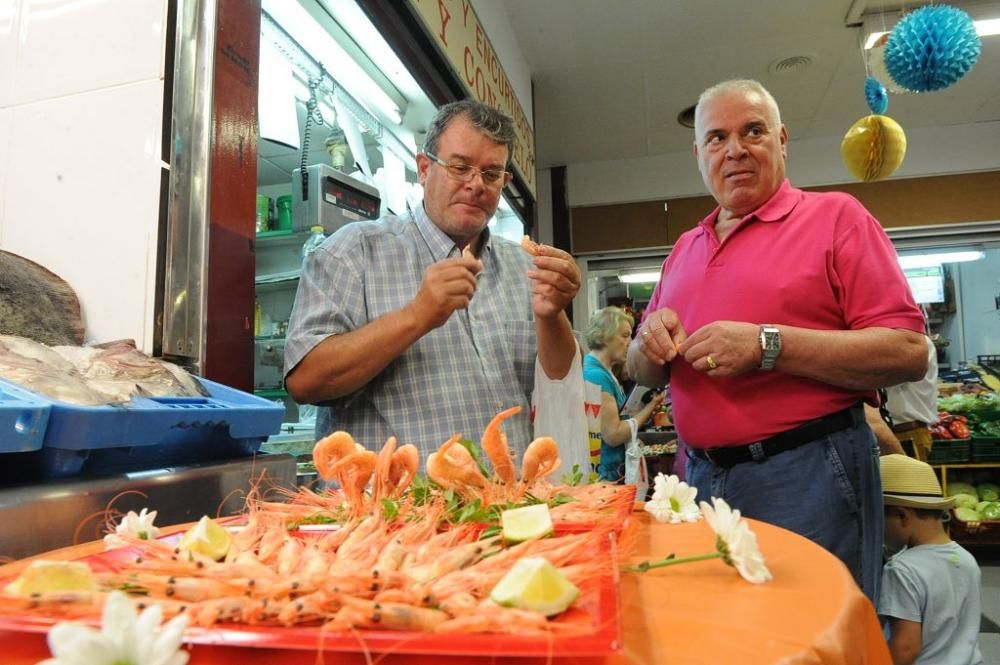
(134, 525)
(735, 541)
(673, 500)
(123, 638)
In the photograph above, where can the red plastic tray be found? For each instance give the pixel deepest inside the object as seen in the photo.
(597, 613)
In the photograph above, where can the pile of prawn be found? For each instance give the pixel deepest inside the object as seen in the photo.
(453, 469)
(410, 570)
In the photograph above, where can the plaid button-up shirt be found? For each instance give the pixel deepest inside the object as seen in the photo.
(456, 377)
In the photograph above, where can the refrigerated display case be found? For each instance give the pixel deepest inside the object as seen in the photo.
(340, 106)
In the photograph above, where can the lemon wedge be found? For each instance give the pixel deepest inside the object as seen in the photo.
(206, 538)
(53, 577)
(535, 584)
(520, 524)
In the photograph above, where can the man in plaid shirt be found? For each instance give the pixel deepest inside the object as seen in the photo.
(423, 325)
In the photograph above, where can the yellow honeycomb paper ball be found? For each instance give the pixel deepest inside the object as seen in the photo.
(873, 148)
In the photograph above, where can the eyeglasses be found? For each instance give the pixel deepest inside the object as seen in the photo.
(494, 178)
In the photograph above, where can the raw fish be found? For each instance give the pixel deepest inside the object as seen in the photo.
(36, 303)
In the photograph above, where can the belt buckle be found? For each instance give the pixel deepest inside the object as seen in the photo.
(707, 452)
(757, 451)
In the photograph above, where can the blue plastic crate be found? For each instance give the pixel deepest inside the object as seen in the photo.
(23, 417)
(152, 432)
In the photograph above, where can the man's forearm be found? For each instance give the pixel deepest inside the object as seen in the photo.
(855, 359)
(644, 371)
(342, 364)
(556, 345)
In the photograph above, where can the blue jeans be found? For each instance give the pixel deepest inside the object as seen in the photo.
(829, 491)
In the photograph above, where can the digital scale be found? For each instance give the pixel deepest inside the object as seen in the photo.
(332, 200)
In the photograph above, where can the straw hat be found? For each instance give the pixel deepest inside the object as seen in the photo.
(911, 483)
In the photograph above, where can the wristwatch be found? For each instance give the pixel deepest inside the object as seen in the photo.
(770, 346)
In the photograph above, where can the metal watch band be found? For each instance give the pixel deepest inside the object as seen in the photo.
(770, 346)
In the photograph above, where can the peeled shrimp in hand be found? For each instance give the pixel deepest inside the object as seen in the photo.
(494, 444)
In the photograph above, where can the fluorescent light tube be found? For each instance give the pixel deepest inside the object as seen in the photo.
(924, 260)
(639, 277)
(324, 49)
(988, 27)
(874, 37)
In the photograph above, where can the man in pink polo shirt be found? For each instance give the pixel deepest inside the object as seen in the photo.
(798, 312)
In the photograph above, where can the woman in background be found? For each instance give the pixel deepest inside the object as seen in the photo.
(608, 336)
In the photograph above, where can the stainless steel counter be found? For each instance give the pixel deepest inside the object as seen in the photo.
(42, 517)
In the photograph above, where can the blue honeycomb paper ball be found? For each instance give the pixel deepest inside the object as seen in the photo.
(876, 96)
(931, 48)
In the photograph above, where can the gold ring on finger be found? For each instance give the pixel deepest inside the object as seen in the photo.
(711, 362)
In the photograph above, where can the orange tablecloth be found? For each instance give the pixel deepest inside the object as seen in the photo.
(704, 612)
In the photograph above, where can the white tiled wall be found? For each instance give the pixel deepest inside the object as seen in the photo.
(69, 46)
(4, 159)
(9, 11)
(81, 97)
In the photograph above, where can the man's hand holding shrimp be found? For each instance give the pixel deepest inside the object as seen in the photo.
(723, 348)
(555, 281)
(661, 336)
(447, 285)
(654, 347)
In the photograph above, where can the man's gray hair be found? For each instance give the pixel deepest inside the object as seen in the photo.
(744, 86)
(604, 324)
(487, 120)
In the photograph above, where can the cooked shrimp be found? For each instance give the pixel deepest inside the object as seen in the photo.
(330, 450)
(353, 473)
(494, 444)
(229, 608)
(403, 468)
(488, 617)
(390, 616)
(380, 481)
(541, 459)
(529, 245)
(452, 467)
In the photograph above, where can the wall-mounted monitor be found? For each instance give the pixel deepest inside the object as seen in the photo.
(927, 284)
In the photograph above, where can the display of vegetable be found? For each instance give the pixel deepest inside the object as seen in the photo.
(950, 426)
(957, 487)
(966, 501)
(988, 491)
(967, 515)
(991, 512)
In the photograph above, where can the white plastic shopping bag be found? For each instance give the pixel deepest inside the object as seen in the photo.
(592, 409)
(558, 411)
(635, 465)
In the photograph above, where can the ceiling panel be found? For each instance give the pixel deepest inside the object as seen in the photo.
(611, 77)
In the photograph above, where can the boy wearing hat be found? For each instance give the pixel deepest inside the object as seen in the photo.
(930, 586)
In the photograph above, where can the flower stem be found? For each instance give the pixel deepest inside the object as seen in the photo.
(671, 560)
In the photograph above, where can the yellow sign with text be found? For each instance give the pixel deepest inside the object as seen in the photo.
(461, 37)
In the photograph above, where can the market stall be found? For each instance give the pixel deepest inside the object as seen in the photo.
(702, 612)
(966, 449)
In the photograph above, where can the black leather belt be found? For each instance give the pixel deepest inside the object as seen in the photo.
(907, 426)
(759, 451)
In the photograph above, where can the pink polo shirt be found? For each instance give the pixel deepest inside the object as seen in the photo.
(805, 259)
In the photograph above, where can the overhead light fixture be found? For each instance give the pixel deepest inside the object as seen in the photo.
(925, 260)
(297, 22)
(984, 28)
(640, 277)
